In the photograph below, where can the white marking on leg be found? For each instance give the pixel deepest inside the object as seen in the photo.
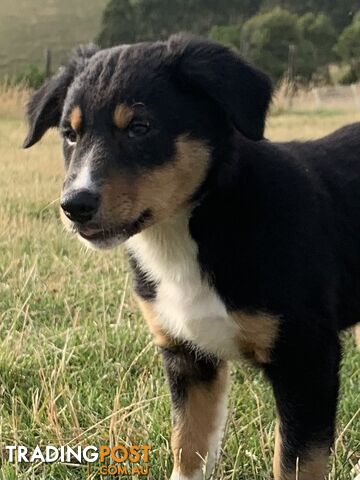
(214, 444)
(218, 433)
(198, 475)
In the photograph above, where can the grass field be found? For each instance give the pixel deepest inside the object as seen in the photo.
(76, 363)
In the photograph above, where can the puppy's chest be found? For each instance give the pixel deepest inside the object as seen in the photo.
(188, 308)
(186, 305)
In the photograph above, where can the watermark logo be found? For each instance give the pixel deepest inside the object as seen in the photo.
(109, 461)
(119, 461)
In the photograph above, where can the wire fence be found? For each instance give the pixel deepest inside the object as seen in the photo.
(319, 98)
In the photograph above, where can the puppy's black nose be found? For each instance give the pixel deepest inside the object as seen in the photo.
(80, 205)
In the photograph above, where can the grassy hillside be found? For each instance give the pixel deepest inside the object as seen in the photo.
(28, 27)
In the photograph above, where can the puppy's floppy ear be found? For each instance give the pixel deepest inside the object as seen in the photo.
(45, 106)
(242, 91)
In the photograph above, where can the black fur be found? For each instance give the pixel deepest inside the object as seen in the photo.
(184, 368)
(235, 86)
(287, 241)
(46, 106)
(288, 225)
(145, 288)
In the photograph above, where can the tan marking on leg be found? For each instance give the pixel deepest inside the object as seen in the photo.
(163, 190)
(257, 336)
(357, 334)
(195, 424)
(76, 119)
(122, 116)
(147, 309)
(313, 466)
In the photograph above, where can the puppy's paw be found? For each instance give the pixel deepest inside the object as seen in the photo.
(198, 475)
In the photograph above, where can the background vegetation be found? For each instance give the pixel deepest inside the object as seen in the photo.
(311, 42)
(300, 39)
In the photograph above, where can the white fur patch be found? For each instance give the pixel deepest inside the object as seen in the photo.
(218, 433)
(187, 306)
(84, 179)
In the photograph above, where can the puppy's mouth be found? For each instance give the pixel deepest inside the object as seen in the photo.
(98, 233)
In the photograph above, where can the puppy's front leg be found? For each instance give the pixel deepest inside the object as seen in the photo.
(198, 384)
(198, 387)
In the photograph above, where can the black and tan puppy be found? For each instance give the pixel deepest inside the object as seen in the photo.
(239, 247)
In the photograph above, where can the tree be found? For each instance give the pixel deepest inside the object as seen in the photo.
(320, 36)
(138, 20)
(229, 35)
(319, 30)
(278, 41)
(348, 47)
(119, 21)
(267, 39)
(341, 12)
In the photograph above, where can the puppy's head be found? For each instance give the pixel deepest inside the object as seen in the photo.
(140, 127)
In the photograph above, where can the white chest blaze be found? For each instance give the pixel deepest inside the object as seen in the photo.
(187, 306)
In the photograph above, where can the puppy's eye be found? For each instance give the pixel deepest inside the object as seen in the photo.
(71, 136)
(138, 129)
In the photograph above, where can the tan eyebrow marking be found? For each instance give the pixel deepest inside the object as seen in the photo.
(122, 115)
(76, 119)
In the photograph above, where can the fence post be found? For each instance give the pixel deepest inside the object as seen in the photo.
(355, 93)
(291, 62)
(317, 98)
(291, 75)
(48, 61)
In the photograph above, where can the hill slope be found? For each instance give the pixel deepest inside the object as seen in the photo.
(28, 27)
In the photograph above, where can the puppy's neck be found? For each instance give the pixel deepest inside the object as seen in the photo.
(166, 249)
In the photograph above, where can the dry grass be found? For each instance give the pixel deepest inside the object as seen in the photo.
(76, 364)
(310, 99)
(12, 100)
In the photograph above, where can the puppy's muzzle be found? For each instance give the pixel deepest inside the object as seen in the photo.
(80, 206)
